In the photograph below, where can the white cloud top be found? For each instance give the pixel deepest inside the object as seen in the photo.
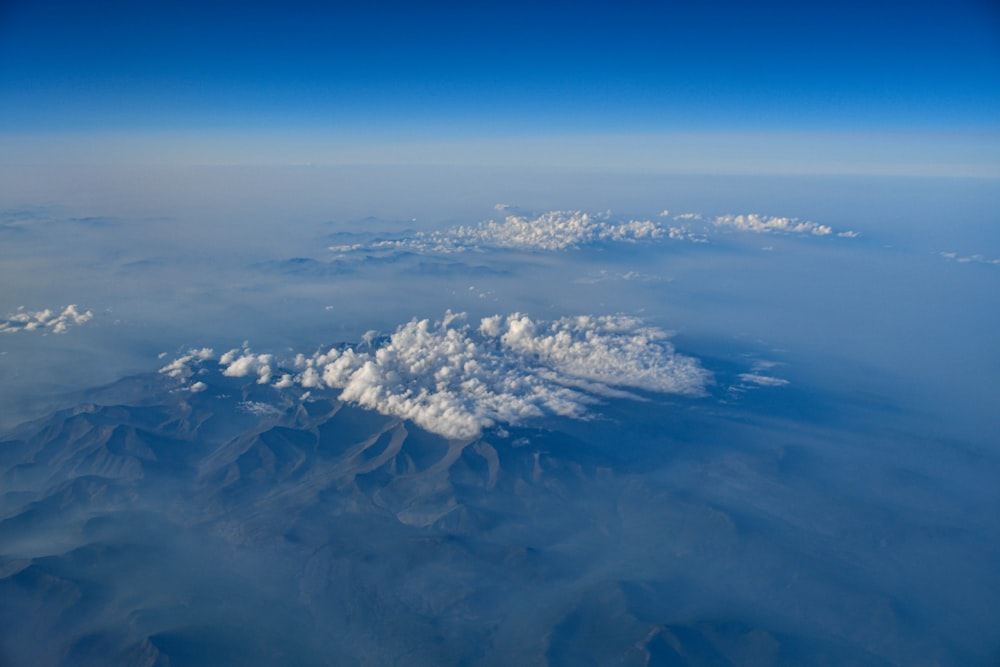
(455, 379)
(45, 320)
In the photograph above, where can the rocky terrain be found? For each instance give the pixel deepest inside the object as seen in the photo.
(154, 526)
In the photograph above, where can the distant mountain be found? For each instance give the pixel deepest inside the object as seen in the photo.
(243, 526)
(305, 267)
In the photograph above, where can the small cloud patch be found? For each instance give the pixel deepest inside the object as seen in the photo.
(48, 320)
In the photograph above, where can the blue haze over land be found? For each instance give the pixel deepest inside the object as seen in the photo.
(514, 334)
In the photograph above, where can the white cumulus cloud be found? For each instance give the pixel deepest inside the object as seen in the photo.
(456, 378)
(182, 367)
(241, 363)
(45, 320)
(764, 224)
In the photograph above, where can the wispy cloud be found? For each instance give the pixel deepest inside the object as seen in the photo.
(685, 216)
(969, 259)
(260, 409)
(455, 378)
(48, 320)
(606, 276)
(762, 380)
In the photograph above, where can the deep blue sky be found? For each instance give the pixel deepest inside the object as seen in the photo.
(717, 86)
(495, 68)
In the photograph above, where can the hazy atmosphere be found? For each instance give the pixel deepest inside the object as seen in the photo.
(506, 335)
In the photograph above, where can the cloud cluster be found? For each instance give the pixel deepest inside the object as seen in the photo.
(241, 363)
(763, 224)
(550, 231)
(456, 379)
(554, 230)
(46, 320)
(563, 230)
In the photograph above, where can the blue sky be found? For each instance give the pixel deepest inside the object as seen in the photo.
(458, 71)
